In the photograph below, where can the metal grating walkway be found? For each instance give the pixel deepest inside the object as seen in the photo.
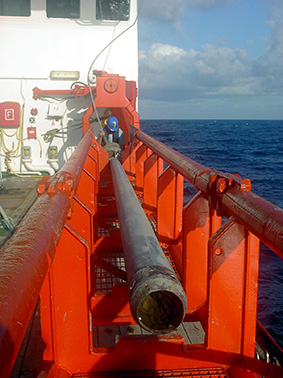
(195, 373)
(109, 269)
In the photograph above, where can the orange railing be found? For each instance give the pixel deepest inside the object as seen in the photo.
(230, 192)
(214, 257)
(27, 256)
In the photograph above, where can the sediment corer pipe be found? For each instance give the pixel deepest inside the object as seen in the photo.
(157, 299)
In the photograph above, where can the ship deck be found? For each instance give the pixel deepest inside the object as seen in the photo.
(106, 336)
(30, 358)
(17, 194)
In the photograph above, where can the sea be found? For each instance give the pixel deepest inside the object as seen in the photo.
(254, 149)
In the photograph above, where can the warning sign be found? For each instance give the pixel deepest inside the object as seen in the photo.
(10, 114)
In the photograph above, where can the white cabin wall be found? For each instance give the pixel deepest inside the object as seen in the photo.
(36, 45)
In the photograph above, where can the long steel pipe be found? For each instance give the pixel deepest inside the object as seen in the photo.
(24, 262)
(157, 299)
(76, 162)
(26, 257)
(259, 216)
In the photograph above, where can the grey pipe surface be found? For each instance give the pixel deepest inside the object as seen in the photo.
(157, 299)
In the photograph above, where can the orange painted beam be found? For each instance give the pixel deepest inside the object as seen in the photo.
(25, 261)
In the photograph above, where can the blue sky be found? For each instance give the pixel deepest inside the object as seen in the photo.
(213, 59)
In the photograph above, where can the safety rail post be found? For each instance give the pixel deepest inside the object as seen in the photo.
(153, 167)
(200, 222)
(169, 205)
(69, 304)
(195, 173)
(84, 200)
(141, 154)
(233, 276)
(128, 157)
(68, 308)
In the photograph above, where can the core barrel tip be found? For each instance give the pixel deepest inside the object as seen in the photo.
(157, 300)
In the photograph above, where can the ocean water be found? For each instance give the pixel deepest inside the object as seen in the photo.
(254, 149)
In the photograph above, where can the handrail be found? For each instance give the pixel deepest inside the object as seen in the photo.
(75, 164)
(231, 193)
(68, 177)
(259, 216)
(194, 172)
(25, 261)
(26, 257)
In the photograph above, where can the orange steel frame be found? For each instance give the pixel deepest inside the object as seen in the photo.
(217, 259)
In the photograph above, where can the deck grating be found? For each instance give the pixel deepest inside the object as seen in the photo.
(213, 372)
(106, 336)
(152, 221)
(109, 269)
(106, 227)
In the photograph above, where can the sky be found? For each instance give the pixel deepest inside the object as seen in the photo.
(211, 59)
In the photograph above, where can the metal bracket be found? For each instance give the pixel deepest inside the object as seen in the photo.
(63, 182)
(220, 183)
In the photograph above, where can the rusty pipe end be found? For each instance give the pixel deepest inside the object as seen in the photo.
(157, 299)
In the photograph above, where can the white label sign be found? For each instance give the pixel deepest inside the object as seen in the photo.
(9, 115)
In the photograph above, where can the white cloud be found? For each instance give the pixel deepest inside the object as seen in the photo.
(161, 52)
(174, 77)
(166, 69)
(269, 66)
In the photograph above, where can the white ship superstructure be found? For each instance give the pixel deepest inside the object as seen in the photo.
(55, 45)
